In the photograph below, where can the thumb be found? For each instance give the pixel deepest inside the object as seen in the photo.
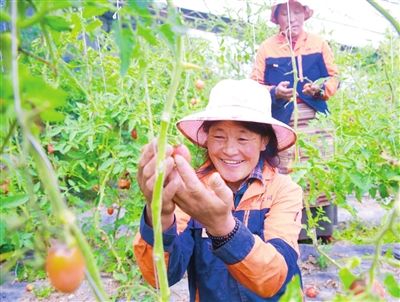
(217, 184)
(285, 84)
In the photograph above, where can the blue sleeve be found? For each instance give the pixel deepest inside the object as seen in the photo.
(290, 256)
(178, 246)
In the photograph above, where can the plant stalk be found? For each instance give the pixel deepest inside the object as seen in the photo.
(46, 172)
(161, 272)
(384, 13)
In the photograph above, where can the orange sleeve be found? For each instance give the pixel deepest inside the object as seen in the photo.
(257, 73)
(284, 218)
(332, 83)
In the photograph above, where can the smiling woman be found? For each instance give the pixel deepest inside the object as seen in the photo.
(233, 224)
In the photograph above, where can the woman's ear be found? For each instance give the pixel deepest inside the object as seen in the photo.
(264, 143)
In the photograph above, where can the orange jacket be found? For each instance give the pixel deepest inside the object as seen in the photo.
(256, 264)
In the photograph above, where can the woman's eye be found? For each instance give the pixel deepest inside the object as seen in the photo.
(243, 139)
(218, 137)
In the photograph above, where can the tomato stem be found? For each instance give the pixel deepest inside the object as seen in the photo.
(158, 255)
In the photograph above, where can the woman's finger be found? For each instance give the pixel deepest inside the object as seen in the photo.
(173, 184)
(190, 180)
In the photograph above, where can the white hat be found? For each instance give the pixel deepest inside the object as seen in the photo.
(236, 100)
(308, 12)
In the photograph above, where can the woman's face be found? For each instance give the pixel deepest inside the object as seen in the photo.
(234, 151)
(296, 18)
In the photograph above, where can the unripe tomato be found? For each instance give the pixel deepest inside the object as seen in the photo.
(182, 150)
(65, 267)
(124, 183)
(134, 133)
(110, 210)
(50, 149)
(199, 84)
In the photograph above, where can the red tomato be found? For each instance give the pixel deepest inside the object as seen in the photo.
(194, 101)
(199, 84)
(358, 286)
(65, 267)
(182, 150)
(4, 188)
(124, 183)
(50, 149)
(29, 287)
(311, 292)
(110, 211)
(134, 133)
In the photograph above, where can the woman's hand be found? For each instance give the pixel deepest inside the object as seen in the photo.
(146, 177)
(283, 92)
(211, 206)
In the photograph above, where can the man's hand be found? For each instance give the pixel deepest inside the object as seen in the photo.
(283, 92)
(312, 90)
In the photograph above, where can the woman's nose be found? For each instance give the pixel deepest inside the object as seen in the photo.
(230, 147)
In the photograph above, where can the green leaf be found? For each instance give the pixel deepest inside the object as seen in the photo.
(126, 44)
(6, 91)
(52, 116)
(13, 201)
(92, 26)
(392, 285)
(347, 277)
(106, 164)
(5, 47)
(35, 90)
(90, 11)
(168, 34)
(57, 23)
(141, 9)
(147, 34)
(293, 291)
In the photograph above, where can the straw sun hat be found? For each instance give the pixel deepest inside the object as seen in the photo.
(236, 100)
(308, 12)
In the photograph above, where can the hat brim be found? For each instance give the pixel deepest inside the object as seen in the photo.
(190, 126)
(308, 12)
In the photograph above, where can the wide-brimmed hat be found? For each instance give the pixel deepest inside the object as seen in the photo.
(308, 12)
(236, 100)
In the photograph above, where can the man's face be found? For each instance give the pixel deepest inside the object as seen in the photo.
(294, 16)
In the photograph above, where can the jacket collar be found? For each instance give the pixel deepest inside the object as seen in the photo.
(300, 40)
(255, 188)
